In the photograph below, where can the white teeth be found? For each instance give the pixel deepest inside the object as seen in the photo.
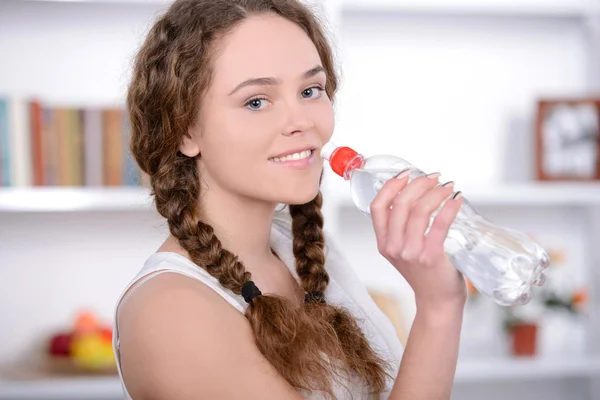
(293, 157)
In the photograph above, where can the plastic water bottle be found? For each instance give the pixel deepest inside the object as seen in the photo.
(501, 263)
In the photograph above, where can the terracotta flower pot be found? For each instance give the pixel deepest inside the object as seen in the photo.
(524, 339)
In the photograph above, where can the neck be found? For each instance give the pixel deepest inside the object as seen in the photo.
(242, 225)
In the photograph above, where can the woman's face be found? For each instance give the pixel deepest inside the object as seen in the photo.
(265, 115)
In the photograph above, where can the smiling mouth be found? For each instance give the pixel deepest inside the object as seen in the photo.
(301, 155)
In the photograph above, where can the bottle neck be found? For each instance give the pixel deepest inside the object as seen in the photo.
(357, 162)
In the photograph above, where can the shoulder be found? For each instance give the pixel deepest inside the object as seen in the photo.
(180, 339)
(164, 318)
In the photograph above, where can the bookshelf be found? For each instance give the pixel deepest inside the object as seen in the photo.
(103, 203)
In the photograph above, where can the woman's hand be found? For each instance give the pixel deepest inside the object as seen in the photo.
(401, 213)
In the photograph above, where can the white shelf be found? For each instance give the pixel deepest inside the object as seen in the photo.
(535, 9)
(525, 369)
(467, 372)
(105, 388)
(58, 199)
(489, 8)
(109, 2)
(534, 194)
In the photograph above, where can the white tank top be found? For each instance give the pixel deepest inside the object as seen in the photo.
(344, 289)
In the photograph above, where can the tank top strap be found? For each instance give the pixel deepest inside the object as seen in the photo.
(163, 262)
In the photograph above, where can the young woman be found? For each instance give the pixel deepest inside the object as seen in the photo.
(230, 104)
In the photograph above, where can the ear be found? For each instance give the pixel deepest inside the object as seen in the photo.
(190, 144)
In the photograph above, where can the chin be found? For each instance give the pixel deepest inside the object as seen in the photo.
(297, 197)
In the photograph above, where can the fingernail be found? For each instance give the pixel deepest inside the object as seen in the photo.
(434, 175)
(457, 196)
(403, 174)
(449, 184)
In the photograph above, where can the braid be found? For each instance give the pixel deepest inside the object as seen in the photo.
(176, 190)
(219, 262)
(175, 187)
(309, 242)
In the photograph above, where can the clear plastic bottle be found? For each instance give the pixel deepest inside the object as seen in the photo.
(500, 262)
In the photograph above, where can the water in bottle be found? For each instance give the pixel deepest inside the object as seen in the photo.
(502, 263)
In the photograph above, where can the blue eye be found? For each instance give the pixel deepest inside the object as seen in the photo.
(255, 104)
(312, 92)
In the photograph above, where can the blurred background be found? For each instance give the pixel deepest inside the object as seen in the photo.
(501, 96)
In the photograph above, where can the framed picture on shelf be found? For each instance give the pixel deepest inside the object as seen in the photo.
(568, 139)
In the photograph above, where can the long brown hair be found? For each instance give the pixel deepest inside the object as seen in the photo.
(171, 73)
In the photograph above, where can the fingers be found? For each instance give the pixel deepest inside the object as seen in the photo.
(420, 217)
(434, 242)
(401, 207)
(380, 206)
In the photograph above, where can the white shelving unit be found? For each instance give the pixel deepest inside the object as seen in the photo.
(74, 199)
(109, 2)
(553, 9)
(525, 369)
(64, 199)
(481, 371)
(15, 202)
(107, 388)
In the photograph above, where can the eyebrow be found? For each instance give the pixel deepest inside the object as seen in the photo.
(274, 81)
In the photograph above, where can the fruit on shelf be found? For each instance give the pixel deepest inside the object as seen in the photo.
(60, 344)
(86, 346)
(106, 333)
(86, 322)
(92, 351)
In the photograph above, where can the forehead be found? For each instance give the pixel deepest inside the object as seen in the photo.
(263, 46)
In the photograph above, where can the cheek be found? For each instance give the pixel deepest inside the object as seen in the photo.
(238, 133)
(325, 121)
(235, 149)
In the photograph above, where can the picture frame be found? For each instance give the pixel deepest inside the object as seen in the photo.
(567, 139)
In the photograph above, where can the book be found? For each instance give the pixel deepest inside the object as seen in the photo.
(45, 145)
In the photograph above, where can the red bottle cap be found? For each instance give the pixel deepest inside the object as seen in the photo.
(344, 159)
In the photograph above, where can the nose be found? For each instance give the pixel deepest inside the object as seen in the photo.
(297, 119)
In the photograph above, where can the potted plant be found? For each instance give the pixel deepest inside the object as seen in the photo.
(523, 335)
(522, 322)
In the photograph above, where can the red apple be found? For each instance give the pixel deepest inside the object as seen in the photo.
(60, 344)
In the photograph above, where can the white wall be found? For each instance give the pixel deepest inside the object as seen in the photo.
(453, 95)
(70, 53)
(53, 264)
